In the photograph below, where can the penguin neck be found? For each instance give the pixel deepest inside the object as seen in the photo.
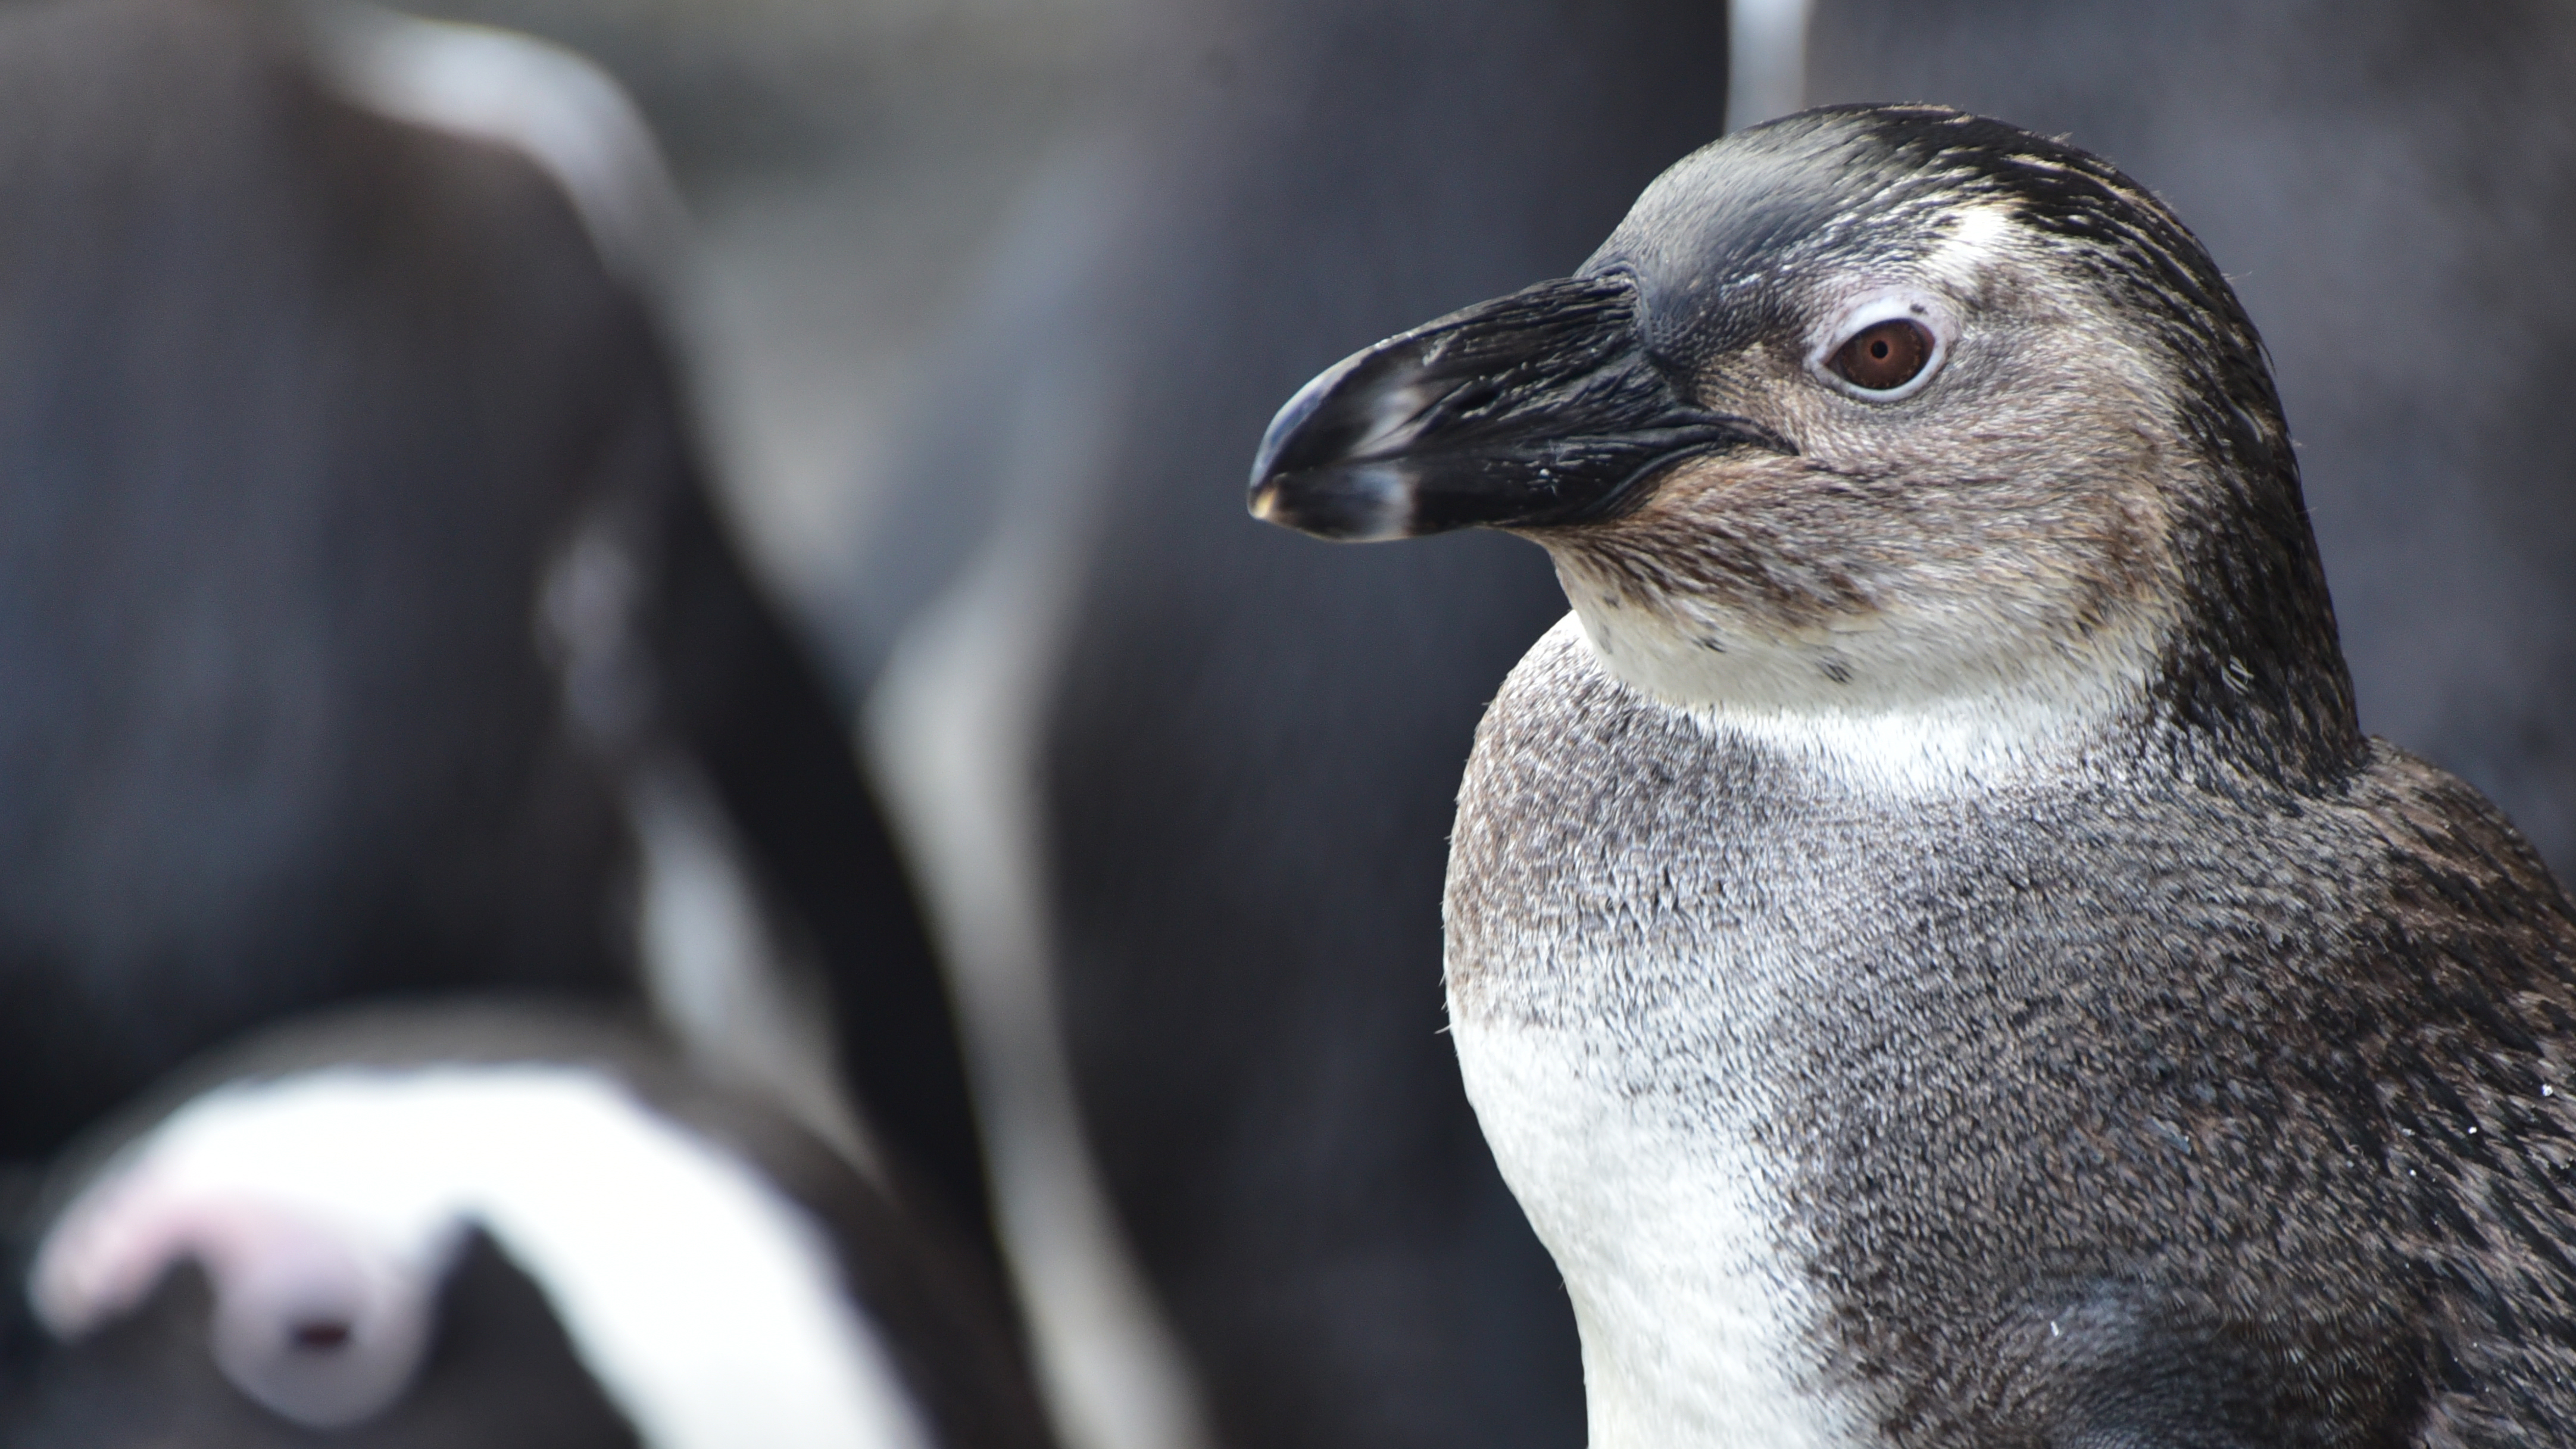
(1876, 718)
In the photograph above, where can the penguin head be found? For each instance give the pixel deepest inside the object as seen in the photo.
(331, 1216)
(1870, 411)
(322, 1302)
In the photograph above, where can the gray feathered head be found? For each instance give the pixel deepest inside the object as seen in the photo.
(1870, 409)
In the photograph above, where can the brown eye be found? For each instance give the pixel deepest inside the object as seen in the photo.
(1884, 357)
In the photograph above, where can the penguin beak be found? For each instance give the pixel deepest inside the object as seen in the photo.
(1543, 407)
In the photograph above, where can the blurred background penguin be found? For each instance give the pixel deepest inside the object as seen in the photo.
(432, 564)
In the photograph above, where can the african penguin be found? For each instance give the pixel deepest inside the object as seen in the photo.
(368, 621)
(495, 1223)
(1928, 943)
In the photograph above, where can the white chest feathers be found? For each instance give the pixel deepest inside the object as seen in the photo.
(1631, 968)
(1698, 1326)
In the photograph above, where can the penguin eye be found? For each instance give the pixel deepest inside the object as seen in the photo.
(1885, 356)
(316, 1330)
(320, 1335)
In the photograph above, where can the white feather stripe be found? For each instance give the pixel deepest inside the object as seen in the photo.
(707, 1305)
(1699, 1328)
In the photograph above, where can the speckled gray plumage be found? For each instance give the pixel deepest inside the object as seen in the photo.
(2242, 1084)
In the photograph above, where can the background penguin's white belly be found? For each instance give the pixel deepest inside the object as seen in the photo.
(1674, 1236)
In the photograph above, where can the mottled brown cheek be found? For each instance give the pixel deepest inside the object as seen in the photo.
(2127, 564)
(1790, 544)
(1770, 539)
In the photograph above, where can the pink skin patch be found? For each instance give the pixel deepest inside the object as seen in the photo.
(317, 1320)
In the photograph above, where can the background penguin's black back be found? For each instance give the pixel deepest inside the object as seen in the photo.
(1250, 745)
(298, 404)
(275, 495)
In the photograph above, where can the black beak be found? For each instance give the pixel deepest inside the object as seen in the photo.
(1538, 408)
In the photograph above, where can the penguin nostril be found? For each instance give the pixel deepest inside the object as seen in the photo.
(321, 1335)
